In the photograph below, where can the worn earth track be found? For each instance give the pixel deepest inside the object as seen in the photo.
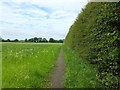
(58, 72)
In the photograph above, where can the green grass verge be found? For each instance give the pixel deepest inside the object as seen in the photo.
(79, 73)
(27, 65)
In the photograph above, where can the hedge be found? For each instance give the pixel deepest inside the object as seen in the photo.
(95, 35)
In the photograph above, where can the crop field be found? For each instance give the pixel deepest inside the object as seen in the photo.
(27, 65)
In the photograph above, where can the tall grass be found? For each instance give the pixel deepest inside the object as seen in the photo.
(79, 73)
(27, 65)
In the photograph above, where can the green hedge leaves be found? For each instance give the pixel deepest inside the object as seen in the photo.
(95, 35)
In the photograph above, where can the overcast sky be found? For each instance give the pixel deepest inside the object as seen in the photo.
(38, 18)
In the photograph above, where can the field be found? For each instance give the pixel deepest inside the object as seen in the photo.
(27, 65)
(79, 73)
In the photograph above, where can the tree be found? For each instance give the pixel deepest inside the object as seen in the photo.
(8, 40)
(56, 41)
(51, 40)
(60, 41)
(35, 39)
(40, 39)
(44, 40)
(3, 40)
(16, 40)
(26, 40)
(31, 40)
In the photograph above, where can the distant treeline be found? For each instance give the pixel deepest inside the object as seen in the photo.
(35, 40)
(95, 35)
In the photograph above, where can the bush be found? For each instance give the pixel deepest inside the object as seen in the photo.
(95, 35)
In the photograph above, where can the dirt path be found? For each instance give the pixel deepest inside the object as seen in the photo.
(58, 72)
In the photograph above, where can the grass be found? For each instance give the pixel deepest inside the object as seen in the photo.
(27, 65)
(79, 73)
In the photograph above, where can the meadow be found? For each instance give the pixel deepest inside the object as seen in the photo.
(79, 73)
(27, 65)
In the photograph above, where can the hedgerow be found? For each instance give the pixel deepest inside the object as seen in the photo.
(95, 35)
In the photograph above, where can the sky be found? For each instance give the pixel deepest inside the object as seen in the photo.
(20, 19)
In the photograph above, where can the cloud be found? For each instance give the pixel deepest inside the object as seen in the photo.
(59, 14)
(42, 18)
